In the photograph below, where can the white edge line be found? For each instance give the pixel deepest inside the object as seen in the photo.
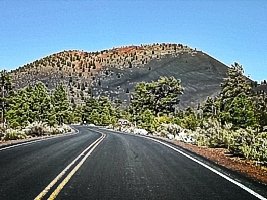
(38, 140)
(210, 168)
(55, 180)
(202, 164)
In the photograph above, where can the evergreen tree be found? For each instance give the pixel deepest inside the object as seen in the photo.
(61, 105)
(147, 120)
(190, 120)
(241, 112)
(90, 105)
(18, 113)
(236, 105)
(234, 85)
(106, 105)
(5, 89)
(261, 109)
(94, 117)
(77, 114)
(29, 105)
(40, 103)
(209, 108)
(99, 111)
(158, 96)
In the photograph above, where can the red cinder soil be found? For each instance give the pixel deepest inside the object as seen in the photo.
(222, 157)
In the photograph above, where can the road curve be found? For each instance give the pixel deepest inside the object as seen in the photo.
(121, 167)
(26, 170)
(130, 167)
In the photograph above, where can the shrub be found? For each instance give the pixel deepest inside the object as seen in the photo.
(190, 122)
(162, 130)
(165, 129)
(211, 134)
(12, 134)
(1, 132)
(66, 128)
(37, 129)
(54, 131)
(233, 141)
(247, 143)
(41, 129)
(259, 148)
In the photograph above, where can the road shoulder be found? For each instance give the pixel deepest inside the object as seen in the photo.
(10, 143)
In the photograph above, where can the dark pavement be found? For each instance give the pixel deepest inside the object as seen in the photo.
(26, 170)
(121, 167)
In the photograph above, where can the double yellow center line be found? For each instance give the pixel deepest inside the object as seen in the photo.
(86, 153)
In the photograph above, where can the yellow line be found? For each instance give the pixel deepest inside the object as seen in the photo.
(53, 182)
(74, 170)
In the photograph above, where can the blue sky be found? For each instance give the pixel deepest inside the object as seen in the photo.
(227, 30)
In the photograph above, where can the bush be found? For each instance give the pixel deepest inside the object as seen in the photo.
(190, 122)
(165, 129)
(1, 132)
(233, 141)
(54, 131)
(259, 148)
(41, 129)
(12, 134)
(211, 134)
(36, 129)
(14, 124)
(66, 128)
(247, 143)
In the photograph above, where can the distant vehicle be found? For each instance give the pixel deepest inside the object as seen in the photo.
(91, 125)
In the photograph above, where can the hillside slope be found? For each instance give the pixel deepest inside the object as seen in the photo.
(115, 72)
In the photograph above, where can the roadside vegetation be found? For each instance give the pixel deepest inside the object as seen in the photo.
(32, 111)
(235, 119)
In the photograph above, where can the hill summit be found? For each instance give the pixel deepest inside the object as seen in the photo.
(116, 71)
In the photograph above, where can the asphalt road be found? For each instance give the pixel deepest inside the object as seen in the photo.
(118, 166)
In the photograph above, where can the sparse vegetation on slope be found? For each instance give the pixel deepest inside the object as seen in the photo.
(115, 72)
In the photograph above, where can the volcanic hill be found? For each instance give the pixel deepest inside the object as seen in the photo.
(116, 71)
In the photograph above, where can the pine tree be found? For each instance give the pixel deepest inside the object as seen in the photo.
(147, 120)
(209, 108)
(77, 114)
(241, 112)
(61, 105)
(236, 105)
(90, 105)
(94, 117)
(41, 107)
(18, 113)
(5, 89)
(261, 109)
(99, 111)
(234, 85)
(159, 96)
